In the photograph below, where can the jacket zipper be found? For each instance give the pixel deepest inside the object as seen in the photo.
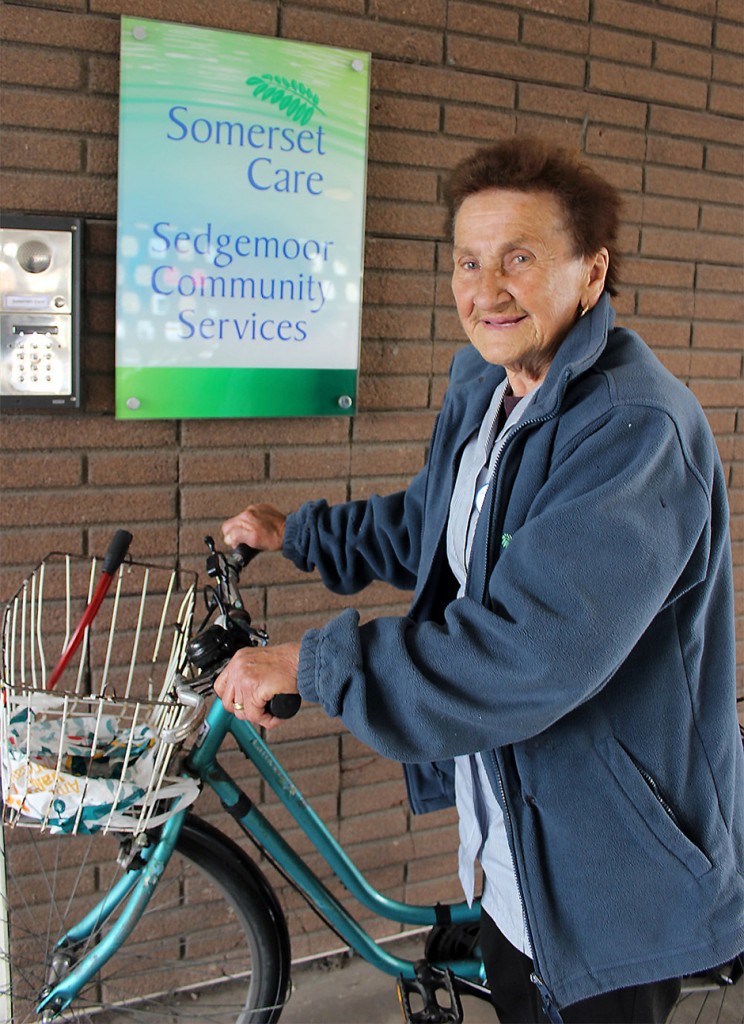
(546, 996)
(518, 428)
(653, 786)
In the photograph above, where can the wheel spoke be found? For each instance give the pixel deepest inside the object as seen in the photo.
(204, 950)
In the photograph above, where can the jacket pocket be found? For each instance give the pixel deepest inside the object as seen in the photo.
(651, 811)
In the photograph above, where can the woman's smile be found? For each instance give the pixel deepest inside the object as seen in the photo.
(517, 281)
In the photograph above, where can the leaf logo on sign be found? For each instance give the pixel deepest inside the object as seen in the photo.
(294, 99)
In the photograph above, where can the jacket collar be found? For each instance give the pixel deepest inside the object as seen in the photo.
(580, 350)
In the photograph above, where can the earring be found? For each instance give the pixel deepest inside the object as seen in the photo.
(584, 311)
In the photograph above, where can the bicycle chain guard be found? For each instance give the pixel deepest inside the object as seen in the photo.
(426, 986)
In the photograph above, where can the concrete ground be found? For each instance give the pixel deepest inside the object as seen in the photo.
(346, 990)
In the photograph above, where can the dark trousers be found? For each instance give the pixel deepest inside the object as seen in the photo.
(517, 1000)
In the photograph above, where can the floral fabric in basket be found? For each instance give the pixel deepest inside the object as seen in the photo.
(87, 792)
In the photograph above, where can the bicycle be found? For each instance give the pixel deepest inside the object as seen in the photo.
(121, 903)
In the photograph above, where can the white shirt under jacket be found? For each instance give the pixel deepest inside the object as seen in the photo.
(481, 824)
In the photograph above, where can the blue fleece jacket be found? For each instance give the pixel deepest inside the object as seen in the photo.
(591, 660)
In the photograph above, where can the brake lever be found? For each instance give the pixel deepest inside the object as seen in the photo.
(226, 569)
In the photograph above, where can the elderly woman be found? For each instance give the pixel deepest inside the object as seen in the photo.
(571, 637)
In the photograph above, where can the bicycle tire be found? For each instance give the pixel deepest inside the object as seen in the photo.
(212, 945)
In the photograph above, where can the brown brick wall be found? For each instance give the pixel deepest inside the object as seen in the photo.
(653, 92)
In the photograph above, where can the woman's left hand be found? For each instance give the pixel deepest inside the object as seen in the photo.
(253, 676)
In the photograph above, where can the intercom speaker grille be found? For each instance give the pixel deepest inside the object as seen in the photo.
(34, 256)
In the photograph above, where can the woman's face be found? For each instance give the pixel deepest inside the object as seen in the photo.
(517, 281)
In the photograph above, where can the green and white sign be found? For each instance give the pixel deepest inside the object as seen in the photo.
(242, 172)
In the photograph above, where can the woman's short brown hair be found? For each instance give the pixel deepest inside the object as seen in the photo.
(591, 205)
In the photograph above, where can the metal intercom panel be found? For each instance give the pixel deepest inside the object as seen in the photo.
(39, 311)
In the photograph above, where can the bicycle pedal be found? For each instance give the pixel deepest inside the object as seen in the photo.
(435, 1000)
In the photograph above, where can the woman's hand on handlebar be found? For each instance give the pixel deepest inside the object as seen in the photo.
(259, 526)
(253, 676)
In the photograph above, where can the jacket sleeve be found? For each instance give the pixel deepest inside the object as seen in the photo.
(356, 542)
(617, 530)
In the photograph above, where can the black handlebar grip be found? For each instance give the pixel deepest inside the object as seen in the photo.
(117, 551)
(284, 705)
(243, 554)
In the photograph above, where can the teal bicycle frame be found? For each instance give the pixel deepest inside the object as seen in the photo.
(131, 894)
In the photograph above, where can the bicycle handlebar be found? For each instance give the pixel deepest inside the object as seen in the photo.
(284, 705)
(215, 644)
(243, 554)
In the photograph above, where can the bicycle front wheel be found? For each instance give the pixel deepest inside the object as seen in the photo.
(212, 945)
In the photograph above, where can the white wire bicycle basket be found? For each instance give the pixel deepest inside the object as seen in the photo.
(95, 753)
